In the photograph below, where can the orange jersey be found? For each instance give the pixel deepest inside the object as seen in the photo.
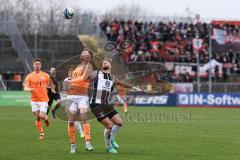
(39, 82)
(79, 87)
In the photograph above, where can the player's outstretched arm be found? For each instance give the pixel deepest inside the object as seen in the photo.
(124, 84)
(86, 74)
(127, 85)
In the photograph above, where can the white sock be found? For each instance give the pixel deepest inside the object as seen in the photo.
(88, 142)
(107, 137)
(115, 130)
(78, 126)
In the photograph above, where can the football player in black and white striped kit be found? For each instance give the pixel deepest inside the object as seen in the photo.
(100, 90)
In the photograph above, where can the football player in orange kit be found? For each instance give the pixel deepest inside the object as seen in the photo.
(36, 83)
(78, 92)
(121, 97)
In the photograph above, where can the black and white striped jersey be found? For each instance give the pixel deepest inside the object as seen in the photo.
(101, 87)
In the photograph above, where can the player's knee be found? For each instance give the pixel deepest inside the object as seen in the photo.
(37, 118)
(120, 124)
(84, 120)
(58, 103)
(71, 123)
(42, 116)
(108, 126)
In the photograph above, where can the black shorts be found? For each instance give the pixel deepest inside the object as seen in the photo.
(102, 111)
(53, 96)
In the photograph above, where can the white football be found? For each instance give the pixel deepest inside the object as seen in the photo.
(68, 13)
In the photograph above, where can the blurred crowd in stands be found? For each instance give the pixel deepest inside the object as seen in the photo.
(167, 41)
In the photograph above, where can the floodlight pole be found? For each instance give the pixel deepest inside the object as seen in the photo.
(198, 70)
(35, 37)
(198, 60)
(35, 44)
(210, 57)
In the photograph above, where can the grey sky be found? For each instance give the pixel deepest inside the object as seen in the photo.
(214, 9)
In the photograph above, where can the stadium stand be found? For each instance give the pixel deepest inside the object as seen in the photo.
(53, 50)
(170, 42)
(162, 42)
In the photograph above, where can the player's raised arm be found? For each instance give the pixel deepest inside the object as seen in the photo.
(86, 74)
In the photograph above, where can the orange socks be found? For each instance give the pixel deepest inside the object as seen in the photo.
(71, 134)
(39, 126)
(86, 130)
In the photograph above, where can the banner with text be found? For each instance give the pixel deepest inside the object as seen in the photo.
(14, 98)
(149, 99)
(208, 100)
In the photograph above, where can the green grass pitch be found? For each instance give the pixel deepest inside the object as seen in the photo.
(206, 134)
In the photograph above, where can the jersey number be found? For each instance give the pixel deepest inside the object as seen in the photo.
(107, 84)
(38, 84)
